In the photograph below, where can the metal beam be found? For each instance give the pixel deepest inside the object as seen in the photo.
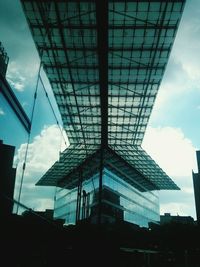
(46, 47)
(64, 45)
(111, 67)
(79, 192)
(112, 27)
(144, 1)
(118, 82)
(149, 77)
(79, 168)
(102, 39)
(48, 34)
(7, 92)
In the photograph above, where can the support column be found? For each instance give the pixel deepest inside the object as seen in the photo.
(78, 201)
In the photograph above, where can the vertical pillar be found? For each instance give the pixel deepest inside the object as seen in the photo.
(84, 205)
(100, 186)
(88, 205)
(78, 201)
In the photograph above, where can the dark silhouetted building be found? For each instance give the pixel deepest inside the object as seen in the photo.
(47, 214)
(168, 218)
(42, 216)
(3, 61)
(105, 61)
(7, 178)
(196, 183)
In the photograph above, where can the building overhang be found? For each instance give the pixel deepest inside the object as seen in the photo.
(140, 171)
(105, 61)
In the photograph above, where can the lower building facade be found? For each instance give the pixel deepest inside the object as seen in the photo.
(120, 202)
(167, 218)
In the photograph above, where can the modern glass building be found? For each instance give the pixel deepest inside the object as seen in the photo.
(120, 201)
(105, 60)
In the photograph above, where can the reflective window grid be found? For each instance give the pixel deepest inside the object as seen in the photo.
(120, 202)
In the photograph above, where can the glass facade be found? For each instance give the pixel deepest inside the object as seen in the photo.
(120, 202)
(104, 58)
(105, 61)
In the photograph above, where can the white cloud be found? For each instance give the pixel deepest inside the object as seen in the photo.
(187, 43)
(14, 76)
(42, 204)
(179, 202)
(20, 76)
(175, 154)
(25, 104)
(176, 85)
(17, 85)
(42, 153)
(2, 112)
(174, 208)
(171, 150)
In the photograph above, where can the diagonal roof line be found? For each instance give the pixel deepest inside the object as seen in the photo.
(138, 168)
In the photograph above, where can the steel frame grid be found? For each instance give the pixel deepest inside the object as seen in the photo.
(134, 68)
(68, 102)
(143, 65)
(137, 168)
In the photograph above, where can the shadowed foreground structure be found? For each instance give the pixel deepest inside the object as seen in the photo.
(33, 241)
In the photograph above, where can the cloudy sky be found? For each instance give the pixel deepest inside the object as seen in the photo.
(173, 134)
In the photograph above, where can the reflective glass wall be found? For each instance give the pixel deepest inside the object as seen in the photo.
(120, 201)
